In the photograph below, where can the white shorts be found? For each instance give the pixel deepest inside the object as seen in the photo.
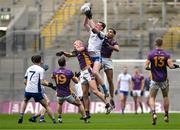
(146, 94)
(86, 76)
(107, 63)
(137, 93)
(78, 90)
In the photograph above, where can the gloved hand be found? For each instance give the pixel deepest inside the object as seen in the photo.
(45, 67)
(131, 93)
(88, 14)
(77, 74)
(176, 66)
(51, 86)
(116, 92)
(59, 53)
(142, 93)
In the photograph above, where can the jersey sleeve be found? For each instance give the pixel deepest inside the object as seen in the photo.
(130, 77)
(41, 74)
(142, 77)
(71, 74)
(115, 43)
(168, 56)
(26, 75)
(101, 35)
(148, 56)
(119, 77)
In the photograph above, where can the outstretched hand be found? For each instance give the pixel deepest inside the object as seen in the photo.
(60, 53)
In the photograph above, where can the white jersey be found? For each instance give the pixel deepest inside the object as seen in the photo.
(124, 82)
(34, 75)
(95, 41)
(78, 90)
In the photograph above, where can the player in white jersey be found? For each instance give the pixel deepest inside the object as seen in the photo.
(34, 78)
(42, 111)
(123, 87)
(94, 46)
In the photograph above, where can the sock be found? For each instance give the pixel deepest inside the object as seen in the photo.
(42, 117)
(59, 116)
(87, 113)
(112, 102)
(34, 117)
(21, 115)
(104, 88)
(166, 113)
(54, 120)
(107, 105)
(122, 110)
(153, 112)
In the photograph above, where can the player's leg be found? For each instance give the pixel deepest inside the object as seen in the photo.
(109, 75)
(147, 98)
(59, 110)
(27, 96)
(135, 104)
(48, 109)
(41, 113)
(165, 92)
(86, 99)
(139, 100)
(95, 70)
(93, 87)
(22, 109)
(73, 100)
(152, 96)
(43, 110)
(122, 101)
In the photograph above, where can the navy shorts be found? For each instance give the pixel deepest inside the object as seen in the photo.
(96, 59)
(37, 96)
(124, 92)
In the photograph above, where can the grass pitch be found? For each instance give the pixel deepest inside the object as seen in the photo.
(97, 122)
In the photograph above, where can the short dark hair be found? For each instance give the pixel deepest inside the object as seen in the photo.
(62, 61)
(36, 59)
(114, 31)
(103, 24)
(159, 42)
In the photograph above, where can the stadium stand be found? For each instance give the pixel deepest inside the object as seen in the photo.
(172, 36)
(59, 20)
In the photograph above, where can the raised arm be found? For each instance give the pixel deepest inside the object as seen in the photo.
(115, 47)
(69, 54)
(86, 24)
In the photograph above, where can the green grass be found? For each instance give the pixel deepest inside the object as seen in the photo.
(98, 121)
